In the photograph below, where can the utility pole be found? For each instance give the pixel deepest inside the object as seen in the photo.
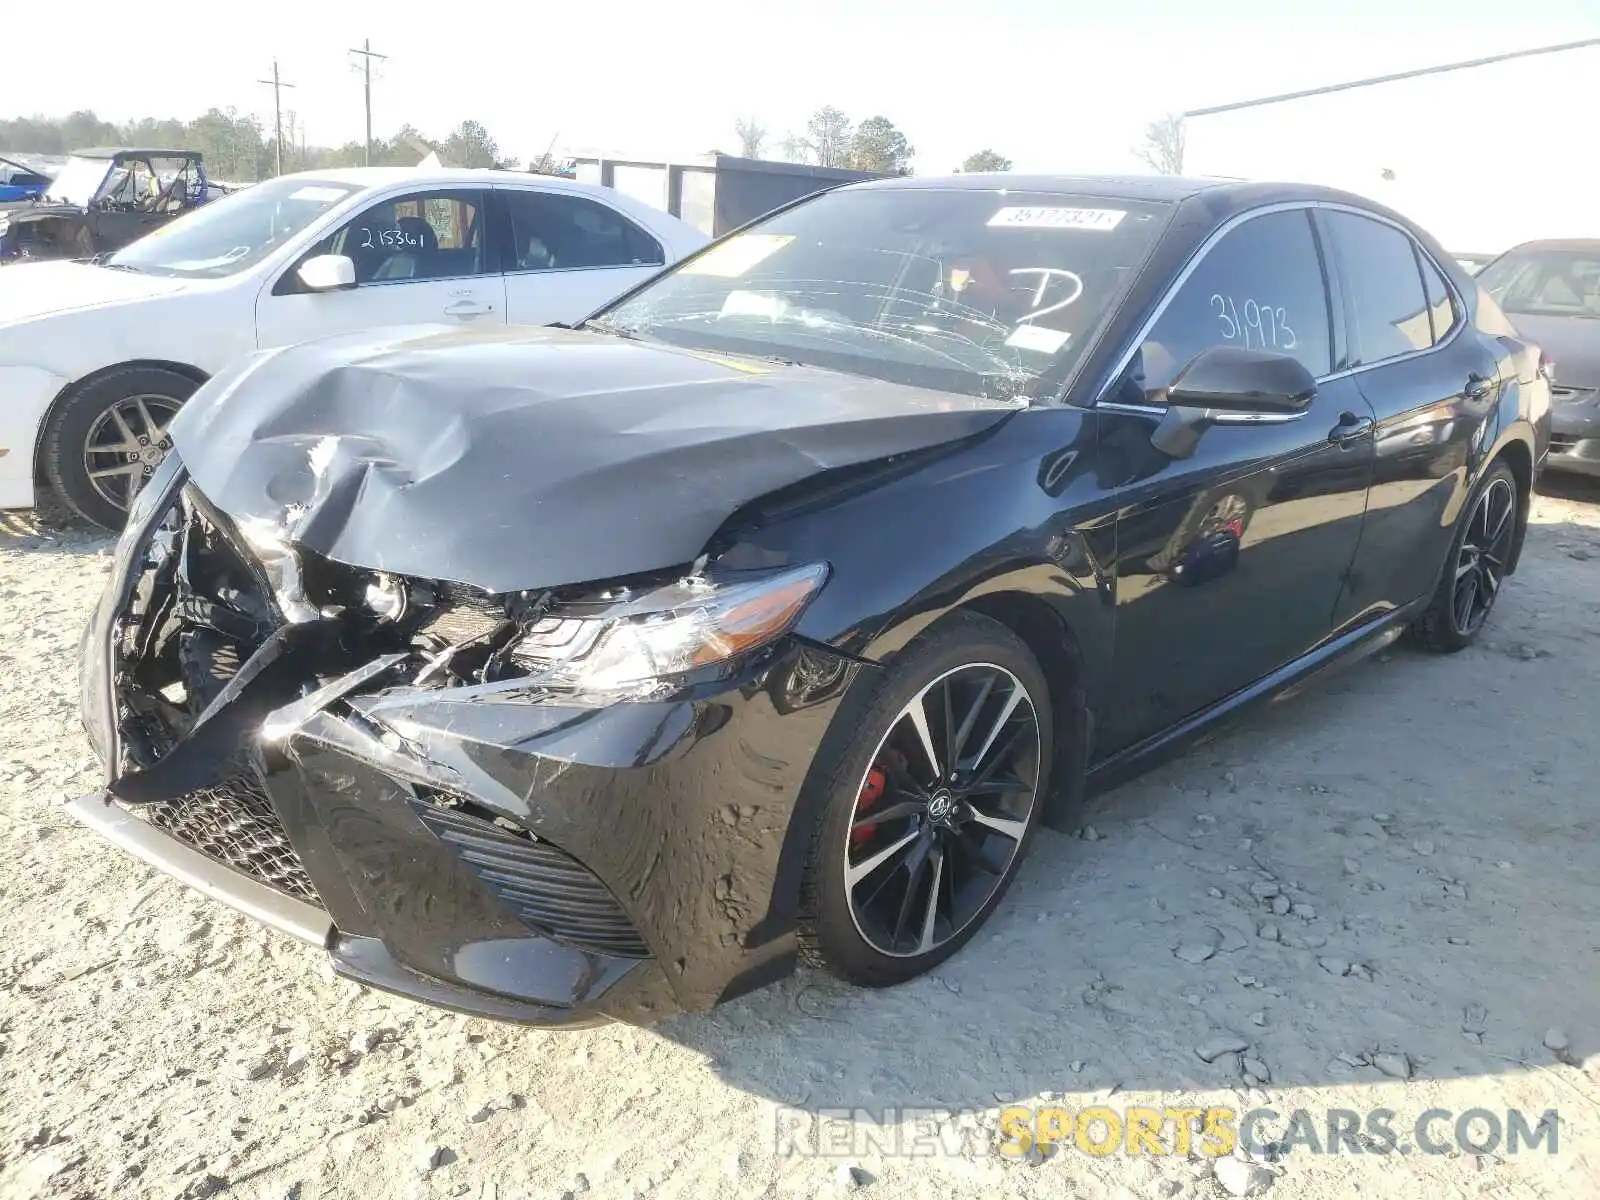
(367, 54)
(277, 85)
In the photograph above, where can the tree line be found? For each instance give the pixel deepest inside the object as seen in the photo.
(238, 149)
(832, 139)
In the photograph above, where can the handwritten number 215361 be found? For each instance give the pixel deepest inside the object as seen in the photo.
(1255, 325)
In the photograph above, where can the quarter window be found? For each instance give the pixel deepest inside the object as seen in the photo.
(1380, 266)
(555, 232)
(1441, 309)
(426, 235)
(1260, 288)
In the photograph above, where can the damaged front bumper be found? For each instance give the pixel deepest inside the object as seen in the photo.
(487, 849)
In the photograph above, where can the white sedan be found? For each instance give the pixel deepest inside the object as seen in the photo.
(95, 357)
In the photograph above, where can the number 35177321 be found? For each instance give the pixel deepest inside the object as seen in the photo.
(1253, 324)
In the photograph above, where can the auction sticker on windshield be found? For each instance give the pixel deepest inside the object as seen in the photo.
(1101, 220)
(738, 254)
(1037, 338)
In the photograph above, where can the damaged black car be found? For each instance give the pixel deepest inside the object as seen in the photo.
(559, 675)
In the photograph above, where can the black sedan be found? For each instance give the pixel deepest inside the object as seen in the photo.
(1551, 292)
(565, 674)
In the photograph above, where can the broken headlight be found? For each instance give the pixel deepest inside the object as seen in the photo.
(637, 641)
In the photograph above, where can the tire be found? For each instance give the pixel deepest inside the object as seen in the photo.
(83, 427)
(856, 933)
(1479, 550)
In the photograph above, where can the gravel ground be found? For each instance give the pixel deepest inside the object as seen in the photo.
(1379, 895)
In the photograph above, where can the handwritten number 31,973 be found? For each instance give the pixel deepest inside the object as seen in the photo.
(1264, 326)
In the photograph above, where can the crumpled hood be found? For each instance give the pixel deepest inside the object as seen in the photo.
(525, 458)
(1573, 343)
(40, 289)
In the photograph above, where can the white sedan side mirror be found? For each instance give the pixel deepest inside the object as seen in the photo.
(327, 273)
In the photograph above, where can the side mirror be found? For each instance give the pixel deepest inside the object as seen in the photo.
(1229, 379)
(1227, 385)
(327, 273)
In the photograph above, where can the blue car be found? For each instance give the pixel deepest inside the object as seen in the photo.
(20, 182)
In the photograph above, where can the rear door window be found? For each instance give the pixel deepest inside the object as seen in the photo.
(552, 231)
(1384, 288)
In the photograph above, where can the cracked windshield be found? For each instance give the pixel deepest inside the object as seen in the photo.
(962, 291)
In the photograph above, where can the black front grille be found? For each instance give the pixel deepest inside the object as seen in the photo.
(547, 888)
(234, 823)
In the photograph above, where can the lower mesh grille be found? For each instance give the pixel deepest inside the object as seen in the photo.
(547, 888)
(234, 823)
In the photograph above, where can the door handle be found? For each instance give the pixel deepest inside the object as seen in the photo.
(467, 308)
(1350, 428)
(1477, 386)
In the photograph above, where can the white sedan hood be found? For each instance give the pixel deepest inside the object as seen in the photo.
(29, 290)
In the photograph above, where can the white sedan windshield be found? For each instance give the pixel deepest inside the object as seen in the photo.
(230, 234)
(78, 180)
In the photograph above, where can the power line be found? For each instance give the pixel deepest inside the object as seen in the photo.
(1376, 79)
(277, 85)
(367, 54)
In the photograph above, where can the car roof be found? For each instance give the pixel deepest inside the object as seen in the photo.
(658, 220)
(113, 151)
(380, 176)
(1128, 187)
(1230, 193)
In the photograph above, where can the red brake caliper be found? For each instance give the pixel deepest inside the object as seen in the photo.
(871, 792)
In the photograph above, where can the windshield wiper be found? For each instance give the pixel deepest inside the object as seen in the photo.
(608, 329)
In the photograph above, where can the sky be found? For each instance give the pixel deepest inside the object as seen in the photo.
(1055, 85)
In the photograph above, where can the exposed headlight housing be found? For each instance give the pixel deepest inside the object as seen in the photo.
(638, 642)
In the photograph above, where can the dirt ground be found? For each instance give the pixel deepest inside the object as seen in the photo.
(1381, 894)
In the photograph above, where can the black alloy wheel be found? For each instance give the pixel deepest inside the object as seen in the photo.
(1481, 558)
(942, 810)
(1474, 573)
(934, 807)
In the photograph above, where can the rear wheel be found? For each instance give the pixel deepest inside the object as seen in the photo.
(933, 805)
(106, 439)
(1476, 568)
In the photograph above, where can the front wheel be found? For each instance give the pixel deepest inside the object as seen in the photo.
(105, 440)
(1476, 569)
(933, 805)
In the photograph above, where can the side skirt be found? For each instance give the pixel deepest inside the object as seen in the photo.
(1287, 681)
